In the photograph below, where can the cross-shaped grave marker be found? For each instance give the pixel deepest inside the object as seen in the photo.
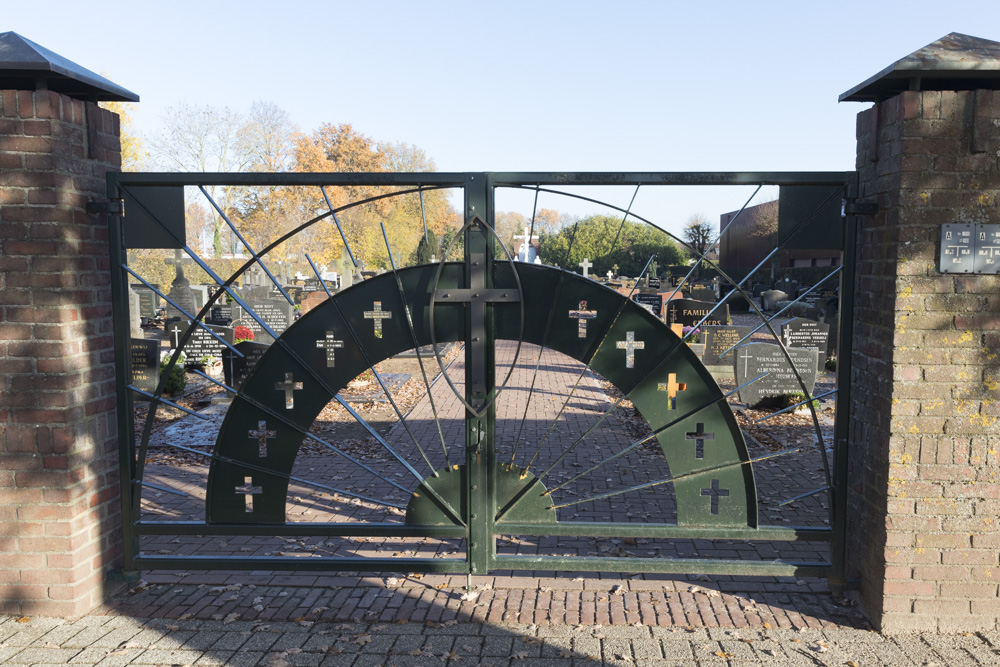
(378, 315)
(699, 437)
(581, 315)
(288, 386)
(586, 267)
(671, 386)
(715, 492)
(175, 337)
(330, 345)
(249, 491)
(611, 275)
(178, 261)
(615, 269)
(630, 345)
(262, 435)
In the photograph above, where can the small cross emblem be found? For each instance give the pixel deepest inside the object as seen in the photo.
(630, 345)
(671, 386)
(288, 386)
(585, 264)
(175, 337)
(615, 269)
(745, 357)
(249, 491)
(715, 492)
(699, 437)
(330, 345)
(262, 435)
(581, 315)
(378, 315)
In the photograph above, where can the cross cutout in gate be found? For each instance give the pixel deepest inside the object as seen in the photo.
(671, 386)
(329, 344)
(262, 435)
(715, 492)
(581, 315)
(288, 386)
(630, 345)
(249, 491)
(699, 437)
(378, 315)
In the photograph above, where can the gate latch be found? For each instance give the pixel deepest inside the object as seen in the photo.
(854, 207)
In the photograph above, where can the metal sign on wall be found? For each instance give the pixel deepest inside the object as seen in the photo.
(969, 248)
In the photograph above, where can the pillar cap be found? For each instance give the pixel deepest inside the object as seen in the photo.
(954, 62)
(25, 65)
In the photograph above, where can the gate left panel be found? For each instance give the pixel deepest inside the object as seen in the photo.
(265, 374)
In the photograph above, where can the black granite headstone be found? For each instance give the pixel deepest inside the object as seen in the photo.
(202, 344)
(276, 313)
(808, 335)
(718, 339)
(653, 302)
(144, 365)
(702, 293)
(754, 359)
(237, 369)
(690, 312)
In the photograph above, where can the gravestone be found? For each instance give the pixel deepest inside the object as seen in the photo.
(787, 285)
(807, 334)
(135, 320)
(237, 369)
(312, 300)
(689, 312)
(718, 339)
(769, 299)
(220, 315)
(652, 302)
(202, 344)
(148, 302)
(754, 359)
(759, 289)
(144, 365)
(702, 293)
(180, 290)
(737, 302)
(653, 283)
(276, 313)
(201, 295)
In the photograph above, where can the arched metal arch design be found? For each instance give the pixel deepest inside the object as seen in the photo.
(292, 381)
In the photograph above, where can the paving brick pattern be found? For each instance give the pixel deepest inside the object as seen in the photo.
(110, 641)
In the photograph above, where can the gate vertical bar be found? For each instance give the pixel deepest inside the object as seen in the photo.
(122, 335)
(480, 377)
(845, 347)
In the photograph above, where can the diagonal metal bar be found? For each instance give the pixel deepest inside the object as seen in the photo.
(291, 478)
(413, 337)
(586, 368)
(716, 242)
(778, 314)
(624, 218)
(423, 216)
(166, 489)
(378, 376)
(792, 407)
(340, 229)
(649, 437)
(804, 495)
(671, 480)
(191, 318)
(276, 415)
(246, 244)
(160, 399)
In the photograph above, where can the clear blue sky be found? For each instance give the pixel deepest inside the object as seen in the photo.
(585, 86)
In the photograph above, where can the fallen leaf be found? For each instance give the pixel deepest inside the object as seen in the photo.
(363, 639)
(230, 618)
(521, 655)
(470, 596)
(24, 619)
(767, 626)
(723, 654)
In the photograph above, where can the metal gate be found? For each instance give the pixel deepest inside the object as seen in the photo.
(459, 487)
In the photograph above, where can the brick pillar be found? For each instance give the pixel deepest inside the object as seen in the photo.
(59, 497)
(923, 532)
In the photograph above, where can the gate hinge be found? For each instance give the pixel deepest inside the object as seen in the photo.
(854, 207)
(110, 207)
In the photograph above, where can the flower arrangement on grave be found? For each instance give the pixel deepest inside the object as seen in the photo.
(366, 377)
(242, 333)
(177, 379)
(692, 335)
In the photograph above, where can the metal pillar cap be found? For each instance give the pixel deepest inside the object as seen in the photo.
(954, 62)
(25, 65)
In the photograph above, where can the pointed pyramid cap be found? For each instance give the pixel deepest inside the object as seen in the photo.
(954, 62)
(25, 65)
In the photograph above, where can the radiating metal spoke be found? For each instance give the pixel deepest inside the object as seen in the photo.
(371, 365)
(423, 216)
(778, 314)
(649, 437)
(288, 422)
(586, 368)
(671, 480)
(807, 494)
(336, 221)
(253, 254)
(624, 218)
(413, 337)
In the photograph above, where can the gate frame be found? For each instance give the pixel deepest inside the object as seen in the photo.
(481, 552)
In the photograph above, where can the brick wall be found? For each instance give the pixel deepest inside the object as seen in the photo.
(924, 533)
(59, 512)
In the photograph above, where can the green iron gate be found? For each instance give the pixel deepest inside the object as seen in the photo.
(467, 491)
